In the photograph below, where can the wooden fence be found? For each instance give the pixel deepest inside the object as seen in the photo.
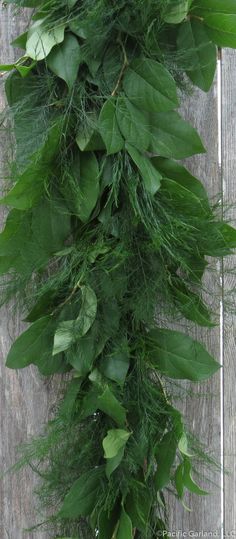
(26, 399)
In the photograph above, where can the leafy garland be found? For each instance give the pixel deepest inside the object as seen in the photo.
(107, 239)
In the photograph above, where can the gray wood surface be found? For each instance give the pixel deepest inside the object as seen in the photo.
(202, 409)
(26, 399)
(228, 175)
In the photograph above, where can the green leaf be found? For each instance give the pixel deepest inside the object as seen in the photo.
(220, 20)
(191, 306)
(183, 479)
(107, 523)
(83, 355)
(138, 505)
(125, 529)
(173, 137)
(151, 177)
(50, 225)
(88, 139)
(188, 481)
(201, 62)
(176, 11)
(85, 169)
(115, 440)
(64, 60)
(149, 86)
(223, 239)
(108, 403)
(179, 480)
(221, 29)
(109, 128)
(179, 356)
(31, 183)
(113, 463)
(40, 40)
(202, 8)
(115, 365)
(181, 175)
(82, 497)
(165, 457)
(183, 200)
(16, 232)
(69, 331)
(67, 406)
(133, 124)
(34, 345)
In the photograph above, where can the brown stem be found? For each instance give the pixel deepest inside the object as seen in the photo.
(124, 66)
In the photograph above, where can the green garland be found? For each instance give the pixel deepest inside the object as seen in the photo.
(106, 244)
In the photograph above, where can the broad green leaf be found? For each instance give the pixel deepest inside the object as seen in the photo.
(85, 169)
(173, 137)
(188, 481)
(20, 41)
(82, 497)
(108, 403)
(149, 86)
(16, 232)
(221, 29)
(138, 505)
(88, 309)
(133, 124)
(183, 479)
(31, 183)
(179, 356)
(67, 406)
(107, 523)
(202, 58)
(71, 3)
(183, 200)
(64, 60)
(25, 70)
(183, 444)
(70, 331)
(176, 11)
(125, 529)
(115, 440)
(115, 365)
(88, 139)
(41, 40)
(179, 480)
(34, 345)
(192, 307)
(204, 7)
(165, 457)
(150, 175)
(113, 463)
(50, 225)
(181, 175)
(223, 239)
(109, 128)
(83, 354)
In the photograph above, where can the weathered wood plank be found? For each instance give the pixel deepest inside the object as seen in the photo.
(25, 398)
(229, 172)
(202, 411)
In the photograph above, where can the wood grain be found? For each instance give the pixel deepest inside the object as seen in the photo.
(26, 399)
(202, 410)
(228, 174)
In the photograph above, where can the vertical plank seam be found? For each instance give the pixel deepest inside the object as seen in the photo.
(221, 172)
